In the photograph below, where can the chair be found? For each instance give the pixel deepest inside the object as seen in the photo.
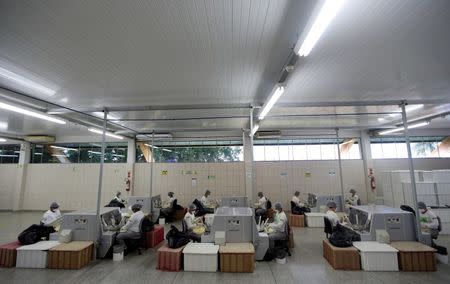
(139, 242)
(284, 243)
(328, 229)
(170, 216)
(293, 209)
(408, 208)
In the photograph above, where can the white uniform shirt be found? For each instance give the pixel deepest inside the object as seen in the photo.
(169, 202)
(205, 202)
(429, 220)
(297, 202)
(353, 200)
(262, 203)
(189, 218)
(134, 222)
(118, 199)
(50, 216)
(333, 217)
(279, 222)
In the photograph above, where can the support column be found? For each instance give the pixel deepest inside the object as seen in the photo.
(340, 170)
(24, 160)
(411, 171)
(102, 161)
(131, 160)
(248, 164)
(366, 155)
(152, 161)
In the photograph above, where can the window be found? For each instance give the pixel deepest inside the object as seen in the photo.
(191, 152)
(421, 147)
(9, 154)
(78, 153)
(305, 149)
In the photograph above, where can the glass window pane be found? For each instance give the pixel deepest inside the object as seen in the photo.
(313, 152)
(271, 153)
(376, 150)
(284, 152)
(258, 153)
(389, 150)
(299, 152)
(329, 151)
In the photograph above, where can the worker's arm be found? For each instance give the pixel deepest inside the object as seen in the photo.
(433, 222)
(189, 222)
(129, 223)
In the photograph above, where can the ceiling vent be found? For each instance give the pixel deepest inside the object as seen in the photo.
(39, 139)
(268, 134)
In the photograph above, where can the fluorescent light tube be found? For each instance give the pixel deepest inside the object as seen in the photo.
(411, 126)
(98, 131)
(59, 155)
(408, 108)
(150, 146)
(30, 113)
(2, 140)
(3, 125)
(38, 154)
(117, 155)
(64, 148)
(273, 99)
(93, 152)
(255, 129)
(101, 115)
(21, 80)
(167, 150)
(326, 14)
(9, 156)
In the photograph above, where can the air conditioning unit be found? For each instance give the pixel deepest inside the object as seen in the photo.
(268, 134)
(39, 139)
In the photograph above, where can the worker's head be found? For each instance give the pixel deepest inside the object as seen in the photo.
(278, 207)
(331, 205)
(422, 206)
(352, 192)
(207, 193)
(136, 207)
(297, 193)
(192, 208)
(260, 194)
(170, 194)
(118, 194)
(54, 206)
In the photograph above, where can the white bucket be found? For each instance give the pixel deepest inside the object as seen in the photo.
(281, 260)
(162, 221)
(118, 256)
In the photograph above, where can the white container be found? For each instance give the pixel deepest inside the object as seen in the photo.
(209, 219)
(377, 257)
(201, 257)
(315, 220)
(35, 255)
(162, 221)
(118, 256)
(281, 260)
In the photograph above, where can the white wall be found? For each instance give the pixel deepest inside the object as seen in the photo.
(74, 186)
(279, 180)
(8, 180)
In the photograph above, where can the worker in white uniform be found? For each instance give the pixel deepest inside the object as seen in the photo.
(208, 206)
(277, 229)
(428, 220)
(331, 214)
(131, 230)
(167, 207)
(51, 215)
(261, 207)
(299, 207)
(190, 222)
(353, 200)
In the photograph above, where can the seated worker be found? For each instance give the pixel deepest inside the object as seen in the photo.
(428, 220)
(260, 207)
(51, 215)
(276, 230)
(131, 230)
(167, 207)
(353, 200)
(207, 204)
(191, 222)
(117, 201)
(331, 214)
(300, 207)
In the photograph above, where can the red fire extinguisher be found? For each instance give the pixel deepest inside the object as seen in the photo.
(373, 185)
(128, 181)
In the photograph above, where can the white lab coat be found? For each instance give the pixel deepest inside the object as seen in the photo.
(50, 216)
(333, 217)
(353, 200)
(118, 199)
(297, 202)
(168, 203)
(189, 218)
(279, 222)
(428, 220)
(205, 202)
(262, 203)
(134, 222)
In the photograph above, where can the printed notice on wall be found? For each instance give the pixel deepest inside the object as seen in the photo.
(194, 182)
(164, 173)
(307, 175)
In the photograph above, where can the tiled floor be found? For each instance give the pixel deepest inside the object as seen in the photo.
(306, 265)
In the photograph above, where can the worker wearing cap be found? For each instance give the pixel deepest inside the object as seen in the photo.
(131, 230)
(278, 226)
(331, 214)
(428, 220)
(51, 215)
(191, 221)
(353, 200)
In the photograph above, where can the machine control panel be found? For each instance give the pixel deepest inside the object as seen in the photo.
(393, 222)
(234, 225)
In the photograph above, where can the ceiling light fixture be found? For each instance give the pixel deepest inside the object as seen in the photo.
(271, 102)
(3, 125)
(101, 115)
(326, 14)
(93, 152)
(2, 140)
(167, 150)
(98, 131)
(408, 108)
(30, 113)
(26, 82)
(411, 126)
(63, 148)
(151, 146)
(255, 129)
(8, 156)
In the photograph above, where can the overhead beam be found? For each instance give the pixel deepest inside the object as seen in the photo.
(362, 103)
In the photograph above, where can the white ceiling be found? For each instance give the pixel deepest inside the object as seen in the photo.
(103, 53)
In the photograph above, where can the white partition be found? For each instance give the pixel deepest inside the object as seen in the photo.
(8, 181)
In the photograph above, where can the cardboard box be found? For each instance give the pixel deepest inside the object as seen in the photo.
(341, 258)
(170, 259)
(73, 255)
(200, 257)
(296, 220)
(155, 237)
(415, 256)
(8, 254)
(237, 257)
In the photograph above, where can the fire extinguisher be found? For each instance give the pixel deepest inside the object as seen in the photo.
(128, 181)
(373, 185)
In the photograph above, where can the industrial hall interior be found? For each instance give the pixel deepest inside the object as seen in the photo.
(225, 141)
